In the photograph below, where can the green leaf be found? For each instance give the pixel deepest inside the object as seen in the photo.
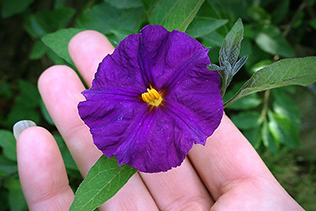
(245, 103)
(38, 50)
(124, 4)
(253, 135)
(68, 160)
(298, 71)
(228, 56)
(202, 25)
(103, 181)
(280, 12)
(213, 38)
(44, 22)
(283, 130)
(8, 144)
(247, 120)
(271, 40)
(149, 4)
(284, 106)
(231, 45)
(16, 198)
(176, 14)
(312, 23)
(25, 105)
(259, 15)
(268, 140)
(104, 18)
(8, 166)
(58, 42)
(12, 7)
(259, 65)
(45, 113)
(5, 90)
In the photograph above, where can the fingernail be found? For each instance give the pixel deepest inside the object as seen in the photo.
(20, 126)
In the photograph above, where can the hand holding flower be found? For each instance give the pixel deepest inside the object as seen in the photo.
(227, 166)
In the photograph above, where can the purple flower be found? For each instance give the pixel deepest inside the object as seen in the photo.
(152, 99)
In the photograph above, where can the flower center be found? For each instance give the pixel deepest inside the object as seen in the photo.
(152, 97)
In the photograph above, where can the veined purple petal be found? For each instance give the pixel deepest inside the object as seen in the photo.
(121, 69)
(161, 52)
(156, 143)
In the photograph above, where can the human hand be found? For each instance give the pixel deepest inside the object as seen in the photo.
(227, 167)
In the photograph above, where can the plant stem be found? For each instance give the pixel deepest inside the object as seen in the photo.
(265, 104)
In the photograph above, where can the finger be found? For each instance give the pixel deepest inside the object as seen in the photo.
(42, 172)
(87, 49)
(227, 159)
(178, 189)
(61, 89)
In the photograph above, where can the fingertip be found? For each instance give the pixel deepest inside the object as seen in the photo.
(53, 74)
(87, 49)
(42, 172)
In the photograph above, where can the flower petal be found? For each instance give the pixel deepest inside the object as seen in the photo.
(155, 143)
(121, 69)
(195, 94)
(108, 113)
(160, 52)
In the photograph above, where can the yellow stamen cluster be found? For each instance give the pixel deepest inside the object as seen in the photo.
(152, 97)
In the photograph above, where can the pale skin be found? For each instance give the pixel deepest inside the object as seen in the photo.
(228, 167)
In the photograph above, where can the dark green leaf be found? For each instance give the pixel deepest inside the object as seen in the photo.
(68, 160)
(5, 90)
(299, 71)
(104, 18)
(259, 14)
(312, 23)
(44, 22)
(12, 7)
(213, 38)
(38, 50)
(201, 26)
(149, 4)
(25, 105)
(175, 14)
(253, 135)
(46, 114)
(16, 198)
(8, 144)
(271, 40)
(8, 166)
(103, 181)
(120, 34)
(124, 4)
(280, 12)
(247, 120)
(58, 42)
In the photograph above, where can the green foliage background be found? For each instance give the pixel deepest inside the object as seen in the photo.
(279, 123)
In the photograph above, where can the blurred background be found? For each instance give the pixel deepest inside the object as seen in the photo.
(279, 123)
